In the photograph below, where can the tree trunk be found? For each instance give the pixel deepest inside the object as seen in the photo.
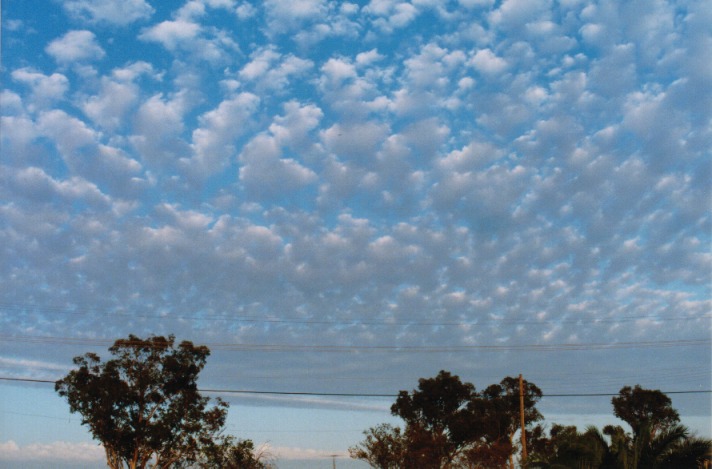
(112, 459)
(511, 455)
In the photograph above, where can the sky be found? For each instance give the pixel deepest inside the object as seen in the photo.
(345, 197)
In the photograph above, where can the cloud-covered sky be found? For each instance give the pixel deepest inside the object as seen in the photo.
(345, 197)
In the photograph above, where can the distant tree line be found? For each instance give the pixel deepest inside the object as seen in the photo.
(144, 407)
(449, 425)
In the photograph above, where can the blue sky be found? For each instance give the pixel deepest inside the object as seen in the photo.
(345, 197)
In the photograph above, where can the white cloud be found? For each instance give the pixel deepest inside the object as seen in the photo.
(44, 87)
(431, 68)
(36, 184)
(19, 141)
(60, 451)
(338, 70)
(513, 166)
(309, 22)
(485, 61)
(294, 129)
(291, 453)
(515, 13)
(266, 173)
(171, 34)
(187, 37)
(69, 133)
(425, 138)
(367, 58)
(270, 70)
(158, 125)
(117, 96)
(189, 220)
(245, 11)
(82, 151)
(476, 3)
(353, 92)
(472, 157)
(358, 141)
(391, 14)
(75, 46)
(214, 141)
(11, 103)
(120, 12)
(32, 365)
(298, 9)
(260, 64)
(286, 15)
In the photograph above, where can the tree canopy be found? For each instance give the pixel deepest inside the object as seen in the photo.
(384, 447)
(644, 409)
(656, 441)
(449, 424)
(144, 405)
(230, 453)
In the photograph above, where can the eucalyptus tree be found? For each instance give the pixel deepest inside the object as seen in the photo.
(645, 410)
(144, 405)
(448, 424)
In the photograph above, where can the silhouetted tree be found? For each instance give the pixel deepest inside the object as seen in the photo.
(385, 447)
(144, 405)
(648, 412)
(229, 453)
(644, 409)
(438, 419)
(693, 452)
(614, 448)
(504, 403)
(449, 425)
(566, 447)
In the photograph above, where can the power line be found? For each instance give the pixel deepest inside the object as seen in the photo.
(488, 322)
(386, 348)
(338, 394)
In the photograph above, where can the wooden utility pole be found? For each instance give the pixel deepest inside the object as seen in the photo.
(521, 413)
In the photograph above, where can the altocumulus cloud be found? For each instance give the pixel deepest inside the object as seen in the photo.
(411, 174)
(57, 451)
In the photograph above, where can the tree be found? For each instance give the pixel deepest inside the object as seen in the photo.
(657, 441)
(504, 403)
(673, 447)
(229, 453)
(385, 447)
(691, 452)
(438, 418)
(648, 412)
(144, 405)
(644, 409)
(566, 447)
(449, 424)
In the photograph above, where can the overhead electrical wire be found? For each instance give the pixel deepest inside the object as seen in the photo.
(349, 394)
(333, 348)
(489, 321)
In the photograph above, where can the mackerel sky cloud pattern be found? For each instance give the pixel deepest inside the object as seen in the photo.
(400, 173)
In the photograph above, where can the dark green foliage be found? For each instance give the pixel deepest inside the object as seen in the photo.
(566, 447)
(143, 405)
(690, 452)
(449, 424)
(229, 453)
(644, 409)
(656, 442)
(384, 447)
(437, 418)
